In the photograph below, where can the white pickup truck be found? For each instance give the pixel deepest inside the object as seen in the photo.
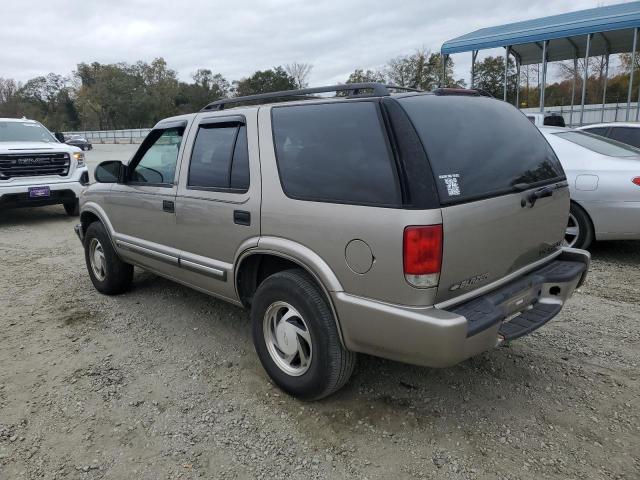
(546, 119)
(36, 169)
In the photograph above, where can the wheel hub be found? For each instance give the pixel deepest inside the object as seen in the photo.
(97, 259)
(287, 338)
(572, 232)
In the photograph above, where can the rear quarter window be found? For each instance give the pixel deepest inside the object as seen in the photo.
(628, 135)
(601, 145)
(335, 152)
(480, 147)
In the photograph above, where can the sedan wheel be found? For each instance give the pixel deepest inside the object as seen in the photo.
(572, 232)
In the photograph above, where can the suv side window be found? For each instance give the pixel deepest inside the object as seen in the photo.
(335, 152)
(220, 159)
(155, 162)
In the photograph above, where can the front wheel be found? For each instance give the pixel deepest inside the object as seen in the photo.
(295, 336)
(579, 232)
(108, 273)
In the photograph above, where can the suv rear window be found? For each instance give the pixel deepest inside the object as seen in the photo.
(335, 152)
(479, 147)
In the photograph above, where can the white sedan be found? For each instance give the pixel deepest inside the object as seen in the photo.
(604, 180)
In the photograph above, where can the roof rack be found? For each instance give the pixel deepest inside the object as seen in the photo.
(474, 92)
(352, 89)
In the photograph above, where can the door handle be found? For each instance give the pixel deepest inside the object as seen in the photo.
(168, 206)
(242, 217)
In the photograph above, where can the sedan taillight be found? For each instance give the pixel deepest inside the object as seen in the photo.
(636, 181)
(422, 255)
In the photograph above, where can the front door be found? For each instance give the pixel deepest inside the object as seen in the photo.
(142, 210)
(218, 201)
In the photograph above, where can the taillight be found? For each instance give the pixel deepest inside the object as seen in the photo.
(422, 255)
(636, 181)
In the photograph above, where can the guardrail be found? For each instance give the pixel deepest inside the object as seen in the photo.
(132, 135)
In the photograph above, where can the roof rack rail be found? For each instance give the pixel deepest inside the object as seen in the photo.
(476, 92)
(352, 89)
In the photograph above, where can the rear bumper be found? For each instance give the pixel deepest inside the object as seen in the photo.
(443, 337)
(61, 191)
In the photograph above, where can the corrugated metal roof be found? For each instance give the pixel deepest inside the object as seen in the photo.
(566, 33)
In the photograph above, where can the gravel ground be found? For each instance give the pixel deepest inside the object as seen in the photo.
(163, 383)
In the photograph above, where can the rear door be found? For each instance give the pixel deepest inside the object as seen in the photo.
(488, 162)
(218, 201)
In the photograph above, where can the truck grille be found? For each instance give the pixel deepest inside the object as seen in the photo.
(33, 164)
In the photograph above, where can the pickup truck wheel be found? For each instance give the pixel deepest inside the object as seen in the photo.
(108, 273)
(295, 336)
(72, 208)
(579, 231)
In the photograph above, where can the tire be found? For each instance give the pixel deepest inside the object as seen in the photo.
(108, 273)
(72, 209)
(292, 295)
(579, 233)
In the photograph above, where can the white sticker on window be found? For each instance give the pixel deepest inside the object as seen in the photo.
(451, 182)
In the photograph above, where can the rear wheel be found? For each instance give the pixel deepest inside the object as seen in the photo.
(72, 208)
(108, 273)
(579, 232)
(295, 336)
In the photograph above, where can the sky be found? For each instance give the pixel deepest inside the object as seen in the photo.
(238, 38)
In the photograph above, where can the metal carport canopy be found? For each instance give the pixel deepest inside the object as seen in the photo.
(566, 33)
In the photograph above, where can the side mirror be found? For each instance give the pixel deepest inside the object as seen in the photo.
(111, 171)
(60, 137)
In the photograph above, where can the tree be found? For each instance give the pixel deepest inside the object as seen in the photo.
(299, 72)
(363, 76)
(421, 70)
(264, 81)
(489, 75)
(206, 88)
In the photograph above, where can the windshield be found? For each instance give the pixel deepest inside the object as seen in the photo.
(598, 144)
(24, 132)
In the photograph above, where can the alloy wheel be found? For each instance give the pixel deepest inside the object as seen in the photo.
(287, 338)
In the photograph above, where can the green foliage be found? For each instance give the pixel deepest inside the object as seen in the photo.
(265, 81)
(124, 95)
(421, 70)
(362, 76)
(489, 76)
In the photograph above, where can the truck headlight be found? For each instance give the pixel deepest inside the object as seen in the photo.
(79, 156)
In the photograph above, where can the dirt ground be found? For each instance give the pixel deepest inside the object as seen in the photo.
(163, 383)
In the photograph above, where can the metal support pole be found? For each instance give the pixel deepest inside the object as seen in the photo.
(633, 65)
(604, 87)
(443, 79)
(474, 56)
(573, 86)
(543, 83)
(517, 82)
(638, 104)
(586, 77)
(506, 72)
